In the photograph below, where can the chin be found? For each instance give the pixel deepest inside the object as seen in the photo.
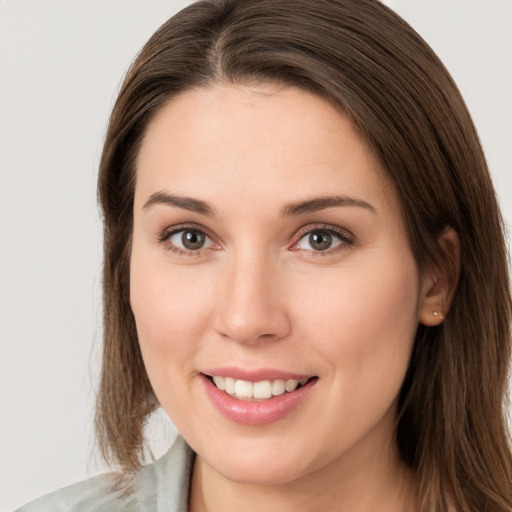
(258, 461)
(273, 470)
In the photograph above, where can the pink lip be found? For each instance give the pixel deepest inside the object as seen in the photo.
(255, 413)
(253, 375)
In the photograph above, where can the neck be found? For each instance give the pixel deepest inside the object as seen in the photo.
(356, 483)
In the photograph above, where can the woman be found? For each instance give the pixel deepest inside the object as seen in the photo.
(304, 266)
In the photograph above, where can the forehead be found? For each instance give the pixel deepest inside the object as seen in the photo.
(260, 142)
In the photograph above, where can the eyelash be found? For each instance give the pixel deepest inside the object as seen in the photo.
(168, 233)
(346, 238)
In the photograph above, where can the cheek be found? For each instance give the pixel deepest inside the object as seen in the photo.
(170, 314)
(361, 329)
(171, 323)
(364, 322)
(165, 297)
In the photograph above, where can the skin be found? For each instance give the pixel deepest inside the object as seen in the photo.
(259, 295)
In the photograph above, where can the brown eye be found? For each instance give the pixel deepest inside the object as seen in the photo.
(193, 240)
(189, 240)
(320, 240)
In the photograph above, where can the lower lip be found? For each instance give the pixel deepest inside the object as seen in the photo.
(256, 413)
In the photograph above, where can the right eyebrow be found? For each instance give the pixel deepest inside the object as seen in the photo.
(186, 203)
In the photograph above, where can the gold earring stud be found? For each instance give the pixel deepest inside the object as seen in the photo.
(435, 313)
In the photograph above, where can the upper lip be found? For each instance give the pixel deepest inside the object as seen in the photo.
(254, 375)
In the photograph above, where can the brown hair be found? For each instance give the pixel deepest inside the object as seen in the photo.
(363, 58)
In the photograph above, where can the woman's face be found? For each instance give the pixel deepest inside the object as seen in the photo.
(269, 249)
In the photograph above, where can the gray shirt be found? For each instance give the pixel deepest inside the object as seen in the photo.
(158, 487)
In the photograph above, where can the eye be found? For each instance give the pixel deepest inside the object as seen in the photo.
(323, 239)
(319, 240)
(188, 240)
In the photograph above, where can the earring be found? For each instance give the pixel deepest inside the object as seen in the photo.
(439, 316)
(435, 313)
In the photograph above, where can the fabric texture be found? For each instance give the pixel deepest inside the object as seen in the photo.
(158, 487)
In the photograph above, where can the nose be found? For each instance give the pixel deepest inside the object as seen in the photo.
(252, 307)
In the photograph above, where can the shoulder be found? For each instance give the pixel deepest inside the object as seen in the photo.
(102, 492)
(160, 486)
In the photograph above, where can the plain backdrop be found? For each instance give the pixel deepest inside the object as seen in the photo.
(61, 63)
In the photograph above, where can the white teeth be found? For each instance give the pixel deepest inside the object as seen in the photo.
(220, 382)
(243, 389)
(229, 383)
(291, 385)
(278, 387)
(262, 390)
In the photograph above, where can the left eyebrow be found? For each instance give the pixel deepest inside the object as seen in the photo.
(320, 203)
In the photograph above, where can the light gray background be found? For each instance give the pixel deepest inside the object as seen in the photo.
(61, 63)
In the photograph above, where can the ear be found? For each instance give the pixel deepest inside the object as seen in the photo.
(439, 284)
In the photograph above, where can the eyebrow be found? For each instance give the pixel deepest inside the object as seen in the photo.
(290, 209)
(186, 203)
(320, 203)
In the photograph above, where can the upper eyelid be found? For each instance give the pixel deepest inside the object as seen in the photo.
(325, 227)
(172, 230)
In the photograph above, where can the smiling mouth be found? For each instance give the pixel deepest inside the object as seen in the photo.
(257, 391)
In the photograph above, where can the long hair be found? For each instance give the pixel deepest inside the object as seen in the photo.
(364, 59)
